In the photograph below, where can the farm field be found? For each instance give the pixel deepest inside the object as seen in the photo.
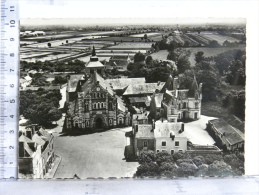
(210, 51)
(142, 35)
(130, 45)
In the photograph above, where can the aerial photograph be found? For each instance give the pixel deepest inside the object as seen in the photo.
(131, 99)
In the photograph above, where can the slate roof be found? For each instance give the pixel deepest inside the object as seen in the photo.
(163, 129)
(158, 99)
(145, 88)
(232, 135)
(235, 122)
(122, 83)
(145, 131)
(23, 138)
(73, 81)
(94, 63)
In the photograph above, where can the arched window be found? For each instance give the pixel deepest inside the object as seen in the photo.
(87, 123)
(110, 121)
(94, 95)
(97, 95)
(94, 105)
(102, 105)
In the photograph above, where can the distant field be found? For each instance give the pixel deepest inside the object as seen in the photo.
(210, 51)
(130, 45)
(118, 39)
(142, 35)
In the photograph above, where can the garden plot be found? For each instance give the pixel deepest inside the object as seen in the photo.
(117, 54)
(102, 33)
(50, 37)
(142, 35)
(33, 55)
(101, 58)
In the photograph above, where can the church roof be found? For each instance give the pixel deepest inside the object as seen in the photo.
(145, 88)
(119, 84)
(94, 62)
(73, 81)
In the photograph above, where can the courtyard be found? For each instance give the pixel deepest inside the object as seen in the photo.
(94, 155)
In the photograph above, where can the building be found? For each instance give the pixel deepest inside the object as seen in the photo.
(92, 103)
(36, 154)
(226, 136)
(168, 137)
(177, 104)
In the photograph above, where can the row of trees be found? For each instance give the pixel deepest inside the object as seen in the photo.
(184, 165)
(76, 66)
(40, 107)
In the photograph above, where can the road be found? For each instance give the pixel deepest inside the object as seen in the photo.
(94, 155)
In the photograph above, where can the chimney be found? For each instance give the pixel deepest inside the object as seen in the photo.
(136, 127)
(153, 124)
(182, 128)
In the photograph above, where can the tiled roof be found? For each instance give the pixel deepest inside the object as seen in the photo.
(163, 129)
(73, 81)
(232, 135)
(145, 131)
(145, 88)
(122, 83)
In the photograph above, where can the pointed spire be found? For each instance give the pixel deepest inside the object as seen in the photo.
(93, 52)
(193, 88)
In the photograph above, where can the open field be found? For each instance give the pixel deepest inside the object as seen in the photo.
(210, 51)
(142, 35)
(160, 55)
(130, 45)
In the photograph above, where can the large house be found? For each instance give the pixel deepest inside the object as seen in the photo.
(176, 104)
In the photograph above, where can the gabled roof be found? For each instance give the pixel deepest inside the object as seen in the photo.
(163, 129)
(37, 139)
(122, 83)
(235, 122)
(94, 64)
(73, 81)
(145, 88)
(231, 134)
(23, 138)
(145, 131)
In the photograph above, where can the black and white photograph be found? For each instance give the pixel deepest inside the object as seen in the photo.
(129, 91)
(126, 98)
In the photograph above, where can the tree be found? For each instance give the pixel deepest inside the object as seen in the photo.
(186, 169)
(49, 44)
(214, 43)
(149, 61)
(219, 168)
(199, 56)
(145, 36)
(54, 114)
(148, 169)
(139, 57)
(66, 41)
(146, 157)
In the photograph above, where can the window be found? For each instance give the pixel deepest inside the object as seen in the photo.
(145, 143)
(172, 152)
(177, 143)
(172, 111)
(157, 151)
(87, 123)
(110, 121)
(163, 143)
(196, 105)
(94, 95)
(184, 105)
(179, 116)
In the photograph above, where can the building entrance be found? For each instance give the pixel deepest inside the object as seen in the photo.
(99, 123)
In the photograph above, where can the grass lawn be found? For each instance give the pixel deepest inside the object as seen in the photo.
(161, 55)
(213, 109)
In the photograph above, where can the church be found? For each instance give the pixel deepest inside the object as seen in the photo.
(91, 102)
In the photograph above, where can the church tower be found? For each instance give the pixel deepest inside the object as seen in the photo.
(94, 65)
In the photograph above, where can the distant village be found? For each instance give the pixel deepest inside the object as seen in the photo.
(154, 119)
